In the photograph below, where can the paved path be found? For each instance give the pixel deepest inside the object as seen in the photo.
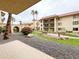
(62, 36)
(59, 51)
(18, 50)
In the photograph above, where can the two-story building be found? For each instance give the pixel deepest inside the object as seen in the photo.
(68, 22)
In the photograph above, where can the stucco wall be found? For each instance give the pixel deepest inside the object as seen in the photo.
(66, 23)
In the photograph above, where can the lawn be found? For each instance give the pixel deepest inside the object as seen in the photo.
(72, 41)
(71, 34)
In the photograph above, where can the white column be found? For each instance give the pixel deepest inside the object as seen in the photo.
(55, 25)
(34, 25)
(0, 17)
(12, 26)
(42, 26)
(20, 27)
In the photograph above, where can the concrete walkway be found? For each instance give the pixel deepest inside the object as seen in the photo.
(62, 36)
(18, 50)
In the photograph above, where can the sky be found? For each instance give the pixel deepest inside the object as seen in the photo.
(48, 7)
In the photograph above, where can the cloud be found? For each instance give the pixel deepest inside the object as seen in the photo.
(50, 7)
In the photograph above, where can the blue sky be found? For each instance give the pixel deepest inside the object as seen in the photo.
(48, 7)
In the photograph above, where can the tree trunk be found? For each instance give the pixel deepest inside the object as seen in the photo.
(8, 27)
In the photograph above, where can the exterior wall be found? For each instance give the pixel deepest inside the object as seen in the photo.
(49, 25)
(34, 25)
(66, 23)
(55, 24)
(41, 25)
(23, 25)
(17, 25)
(76, 26)
(38, 25)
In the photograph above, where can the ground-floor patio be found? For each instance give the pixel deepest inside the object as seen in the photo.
(54, 49)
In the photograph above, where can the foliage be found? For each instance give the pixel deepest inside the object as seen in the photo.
(0, 29)
(26, 30)
(34, 12)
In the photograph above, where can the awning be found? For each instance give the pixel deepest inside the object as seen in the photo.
(16, 6)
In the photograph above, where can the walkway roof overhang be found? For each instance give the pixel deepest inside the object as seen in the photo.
(16, 6)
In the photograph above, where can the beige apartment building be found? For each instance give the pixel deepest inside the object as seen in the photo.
(49, 23)
(38, 25)
(68, 22)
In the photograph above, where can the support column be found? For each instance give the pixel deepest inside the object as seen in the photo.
(34, 25)
(0, 17)
(20, 28)
(55, 25)
(8, 27)
(12, 26)
(42, 23)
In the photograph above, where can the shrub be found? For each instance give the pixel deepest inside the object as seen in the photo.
(69, 31)
(26, 30)
(0, 29)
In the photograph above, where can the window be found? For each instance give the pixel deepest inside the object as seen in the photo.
(75, 29)
(59, 24)
(74, 16)
(59, 28)
(51, 20)
(45, 20)
(52, 25)
(75, 22)
(46, 25)
(41, 24)
(41, 28)
(46, 29)
(41, 21)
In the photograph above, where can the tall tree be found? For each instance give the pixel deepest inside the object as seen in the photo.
(13, 19)
(36, 13)
(33, 14)
(8, 27)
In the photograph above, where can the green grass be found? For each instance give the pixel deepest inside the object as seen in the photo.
(71, 34)
(72, 41)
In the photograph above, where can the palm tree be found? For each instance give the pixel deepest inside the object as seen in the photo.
(13, 19)
(36, 13)
(8, 27)
(33, 14)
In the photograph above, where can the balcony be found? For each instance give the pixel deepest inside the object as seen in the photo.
(52, 25)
